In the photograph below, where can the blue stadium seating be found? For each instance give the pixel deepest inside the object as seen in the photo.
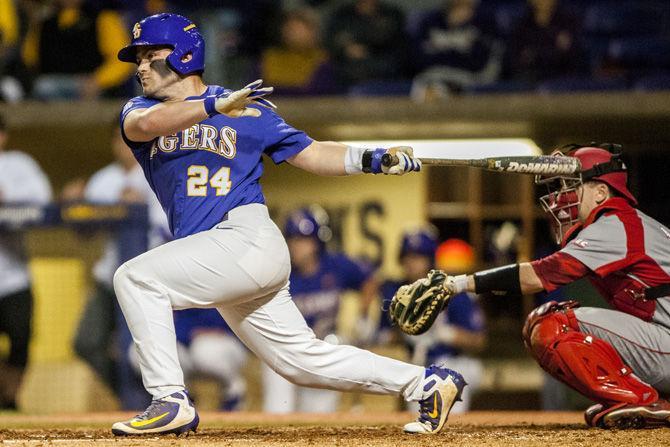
(626, 18)
(582, 84)
(381, 88)
(640, 52)
(500, 87)
(657, 81)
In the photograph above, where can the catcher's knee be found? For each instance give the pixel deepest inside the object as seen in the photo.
(582, 361)
(546, 323)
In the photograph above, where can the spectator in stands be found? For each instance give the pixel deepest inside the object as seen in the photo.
(73, 50)
(299, 65)
(22, 182)
(457, 333)
(318, 279)
(119, 182)
(544, 44)
(367, 42)
(10, 89)
(208, 347)
(455, 48)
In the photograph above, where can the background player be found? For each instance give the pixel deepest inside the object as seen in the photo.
(318, 279)
(119, 182)
(204, 166)
(459, 331)
(22, 182)
(617, 357)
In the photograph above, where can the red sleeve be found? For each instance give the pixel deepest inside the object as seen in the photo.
(558, 270)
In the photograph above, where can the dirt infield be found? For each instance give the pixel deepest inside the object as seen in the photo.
(491, 429)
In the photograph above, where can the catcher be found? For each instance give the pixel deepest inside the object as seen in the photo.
(620, 357)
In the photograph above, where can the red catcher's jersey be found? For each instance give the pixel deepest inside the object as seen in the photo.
(622, 251)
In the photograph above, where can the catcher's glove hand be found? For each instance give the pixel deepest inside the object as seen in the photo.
(414, 307)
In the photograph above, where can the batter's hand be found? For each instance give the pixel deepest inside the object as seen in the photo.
(402, 161)
(236, 104)
(406, 161)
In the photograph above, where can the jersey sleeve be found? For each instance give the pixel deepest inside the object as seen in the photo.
(601, 246)
(283, 141)
(464, 311)
(558, 269)
(138, 102)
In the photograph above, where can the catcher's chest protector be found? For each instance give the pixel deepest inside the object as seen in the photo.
(585, 363)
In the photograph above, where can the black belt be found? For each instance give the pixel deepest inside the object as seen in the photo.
(656, 292)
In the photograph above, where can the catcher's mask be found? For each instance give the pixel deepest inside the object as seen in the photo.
(600, 162)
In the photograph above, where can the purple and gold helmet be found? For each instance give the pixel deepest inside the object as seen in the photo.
(171, 30)
(311, 221)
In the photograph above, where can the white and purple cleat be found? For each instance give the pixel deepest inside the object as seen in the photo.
(443, 387)
(171, 414)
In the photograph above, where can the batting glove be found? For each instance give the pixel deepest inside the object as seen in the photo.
(403, 161)
(235, 104)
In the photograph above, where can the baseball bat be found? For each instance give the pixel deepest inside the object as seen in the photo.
(524, 164)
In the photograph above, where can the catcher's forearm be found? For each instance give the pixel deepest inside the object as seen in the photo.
(519, 279)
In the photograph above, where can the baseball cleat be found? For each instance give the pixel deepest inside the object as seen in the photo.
(171, 414)
(444, 388)
(624, 416)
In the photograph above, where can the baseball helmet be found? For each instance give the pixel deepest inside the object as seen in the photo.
(311, 221)
(455, 256)
(172, 30)
(603, 163)
(421, 241)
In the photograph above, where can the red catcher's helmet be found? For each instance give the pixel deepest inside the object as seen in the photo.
(605, 166)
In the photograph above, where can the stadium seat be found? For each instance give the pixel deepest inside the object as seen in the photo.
(616, 18)
(499, 87)
(581, 84)
(656, 81)
(640, 52)
(381, 88)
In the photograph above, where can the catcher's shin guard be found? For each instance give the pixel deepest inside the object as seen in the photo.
(586, 363)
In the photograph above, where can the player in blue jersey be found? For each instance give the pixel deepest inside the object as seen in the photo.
(318, 279)
(207, 347)
(459, 331)
(201, 149)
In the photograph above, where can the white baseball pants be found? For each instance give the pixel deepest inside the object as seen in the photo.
(241, 267)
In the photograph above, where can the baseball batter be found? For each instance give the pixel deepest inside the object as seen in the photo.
(620, 357)
(201, 148)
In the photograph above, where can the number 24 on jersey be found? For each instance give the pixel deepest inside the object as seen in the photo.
(199, 181)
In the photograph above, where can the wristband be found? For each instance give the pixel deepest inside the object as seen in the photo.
(499, 281)
(460, 283)
(372, 161)
(210, 106)
(353, 160)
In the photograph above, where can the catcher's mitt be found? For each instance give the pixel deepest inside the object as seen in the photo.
(415, 306)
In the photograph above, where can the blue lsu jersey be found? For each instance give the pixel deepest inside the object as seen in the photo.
(463, 312)
(189, 321)
(318, 295)
(201, 173)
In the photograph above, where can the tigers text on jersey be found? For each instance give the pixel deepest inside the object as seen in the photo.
(201, 173)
